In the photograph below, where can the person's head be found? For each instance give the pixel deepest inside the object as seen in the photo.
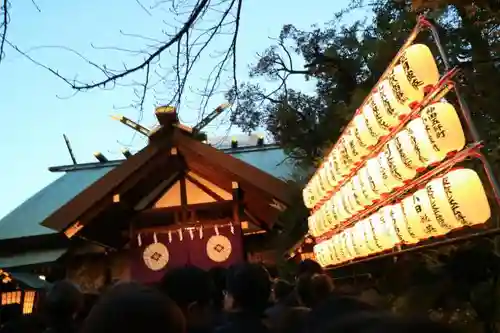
(248, 288)
(218, 276)
(308, 267)
(314, 289)
(191, 288)
(132, 308)
(63, 301)
(281, 290)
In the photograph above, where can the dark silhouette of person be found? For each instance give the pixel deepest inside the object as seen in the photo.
(327, 306)
(248, 289)
(61, 306)
(218, 276)
(131, 308)
(281, 292)
(192, 289)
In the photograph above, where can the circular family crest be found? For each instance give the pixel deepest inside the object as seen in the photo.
(156, 256)
(219, 248)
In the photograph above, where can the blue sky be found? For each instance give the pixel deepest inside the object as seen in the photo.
(35, 116)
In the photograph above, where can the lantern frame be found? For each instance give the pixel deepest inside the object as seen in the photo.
(471, 150)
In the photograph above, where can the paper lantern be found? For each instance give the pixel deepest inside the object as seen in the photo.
(420, 141)
(355, 148)
(331, 173)
(402, 170)
(385, 121)
(367, 184)
(364, 132)
(390, 181)
(466, 197)
(340, 207)
(361, 240)
(320, 253)
(420, 215)
(352, 197)
(334, 258)
(381, 233)
(375, 172)
(396, 215)
(401, 87)
(311, 224)
(349, 241)
(372, 123)
(338, 162)
(345, 158)
(388, 226)
(443, 129)
(392, 107)
(419, 66)
(371, 241)
(338, 244)
(347, 248)
(308, 197)
(407, 146)
(360, 194)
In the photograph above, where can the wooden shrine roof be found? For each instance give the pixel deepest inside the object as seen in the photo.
(264, 195)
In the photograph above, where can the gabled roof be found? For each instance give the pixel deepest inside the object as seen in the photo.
(138, 175)
(24, 221)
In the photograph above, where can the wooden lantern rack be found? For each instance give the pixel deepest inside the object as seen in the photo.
(472, 150)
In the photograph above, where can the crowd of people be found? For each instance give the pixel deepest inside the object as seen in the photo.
(240, 299)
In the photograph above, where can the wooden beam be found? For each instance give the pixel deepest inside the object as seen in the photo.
(73, 229)
(97, 192)
(204, 188)
(236, 201)
(184, 201)
(156, 193)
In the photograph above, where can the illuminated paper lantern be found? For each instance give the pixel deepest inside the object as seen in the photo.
(376, 176)
(444, 130)
(308, 196)
(331, 214)
(345, 158)
(382, 117)
(367, 184)
(361, 195)
(337, 243)
(331, 173)
(372, 244)
(407, 146)
(311, 223)
(388, 177)
(357, 148)
(381, 233)
(401, 169)
(332, 252)
(401, 87)
(340, 207)
(320, 252)
(420, 141)
(364, 132)
(360, 239)
(419, 66)
(372, 123)
(352, 197)
(466, 197)
(393, 109)
(347, 246)
(420, 215)
(396, 215)
(350, 244)
(339, 161)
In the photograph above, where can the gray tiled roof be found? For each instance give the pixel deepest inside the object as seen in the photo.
(25, 219)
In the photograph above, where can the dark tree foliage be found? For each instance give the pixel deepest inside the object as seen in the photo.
(457, 284)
